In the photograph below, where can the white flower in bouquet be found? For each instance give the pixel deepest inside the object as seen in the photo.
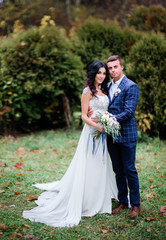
(109, 123)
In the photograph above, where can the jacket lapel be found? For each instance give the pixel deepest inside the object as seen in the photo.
(121, 86)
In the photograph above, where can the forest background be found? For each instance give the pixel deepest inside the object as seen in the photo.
(46, 46)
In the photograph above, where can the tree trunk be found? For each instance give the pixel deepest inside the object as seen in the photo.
(78, 2)
(68, 6)
(67, 111)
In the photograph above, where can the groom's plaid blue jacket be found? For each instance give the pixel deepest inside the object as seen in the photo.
(123, 107)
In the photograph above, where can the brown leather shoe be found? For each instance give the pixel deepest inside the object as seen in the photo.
(134, 211)
(118, 208)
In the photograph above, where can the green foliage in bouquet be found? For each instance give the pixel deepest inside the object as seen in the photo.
(110, 125)
(38, 67)
(148, 69)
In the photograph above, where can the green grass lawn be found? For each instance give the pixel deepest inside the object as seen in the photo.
(44, 157)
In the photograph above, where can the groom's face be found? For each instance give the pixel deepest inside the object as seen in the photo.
(115, 70)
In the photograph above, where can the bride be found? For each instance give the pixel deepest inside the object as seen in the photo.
(89, 183)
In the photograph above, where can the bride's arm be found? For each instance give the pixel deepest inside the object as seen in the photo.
(85, 98)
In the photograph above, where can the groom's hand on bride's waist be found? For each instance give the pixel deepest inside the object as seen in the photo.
(90, 112)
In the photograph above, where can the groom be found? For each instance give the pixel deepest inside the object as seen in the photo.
(123, 95)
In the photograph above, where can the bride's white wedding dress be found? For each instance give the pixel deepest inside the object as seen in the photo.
(87, 186)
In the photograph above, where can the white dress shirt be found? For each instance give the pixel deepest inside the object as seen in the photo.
(114, 86)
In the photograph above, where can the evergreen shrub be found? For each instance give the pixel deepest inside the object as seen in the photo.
(131, 36)
(147, 67)
(151, 18)
(97, 39)
(38, 67)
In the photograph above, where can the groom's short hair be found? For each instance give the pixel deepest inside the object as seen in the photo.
(114, 58)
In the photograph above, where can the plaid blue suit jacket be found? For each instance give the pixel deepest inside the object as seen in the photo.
(123, 107)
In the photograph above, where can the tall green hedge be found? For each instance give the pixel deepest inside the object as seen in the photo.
(147, 66)
(40, 66)
(37, 68)
(98, 40)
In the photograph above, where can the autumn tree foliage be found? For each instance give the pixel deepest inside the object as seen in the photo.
(67, 13)
(149, 19)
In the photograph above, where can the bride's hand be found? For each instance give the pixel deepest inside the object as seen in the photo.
(94, 119)
(100, 128)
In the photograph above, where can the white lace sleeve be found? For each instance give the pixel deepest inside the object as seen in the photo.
(85, 90)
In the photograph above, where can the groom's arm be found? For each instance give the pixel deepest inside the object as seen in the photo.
(130, 104)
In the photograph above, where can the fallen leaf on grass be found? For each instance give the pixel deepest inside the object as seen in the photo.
(1, 206)
(150, 195)
(13, 205)
(7, 169)
(1, 191)
(104, 231)
(159, 184)
(54, 165)
(150, 179)
(148, 230)
(153, 186)
(162, 210)
(36, 150)
(26, 225)
(54, 150)
(30, 169)
(18, 183)
(133, 228)
(21, 149)
(30, 198)
(44, 228)
(18, 174)
(18, 165)
(17, 193)
(16, 235)
(148, 219)
(3, 226)
(29, 236)
(4, 184)
(2, 164)
(158, 166)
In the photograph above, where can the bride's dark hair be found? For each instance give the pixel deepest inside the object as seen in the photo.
(92, 70)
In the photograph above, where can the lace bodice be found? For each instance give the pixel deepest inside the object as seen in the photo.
(98, 103)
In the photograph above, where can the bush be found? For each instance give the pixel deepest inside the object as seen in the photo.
(38, 68)
(148, 68)
(149, 19)
(97, 39)
(131, 36)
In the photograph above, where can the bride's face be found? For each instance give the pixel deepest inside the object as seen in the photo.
(100, 76)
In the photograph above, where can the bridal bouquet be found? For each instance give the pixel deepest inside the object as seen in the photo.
(110, 125)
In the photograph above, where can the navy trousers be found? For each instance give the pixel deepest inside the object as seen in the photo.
(123, 162)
